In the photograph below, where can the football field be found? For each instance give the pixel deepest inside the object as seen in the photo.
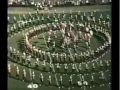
(16, 41)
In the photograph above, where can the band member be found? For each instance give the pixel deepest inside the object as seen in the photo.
(75, 39)
(17, 72)
(65, 68)
(11, 52)
(76, 57)
(53, 57)
(55, 34)
(80, 82)
(19, 26)
(65, 57)
(73, 67)
(14, 54)
(61, 57)
(53, 47)
(18, 57)
(61, 80)
(49, 80)
(37, 63)
(15, 27)
(43, 55)
(58, 67)
(92, 81)
(51, 67)
(71, 80)
(101, 17)
(93, 67)
(33, 75)
(107, 63)
(41, 77)
(23, 57)
(24, 17)
(57, 57)
(86, 67)
(101, 64)
(39, 54)
(28, 60)
(80, 67)
(8, 19)
(92, 54)
(91, 15)
(85, 83)
(9, 69)
(80, 35)
(49, 42)
(42, 19)
(102, 78)
(14, 19)
(84, 16)
(50, 33)
(24, 74)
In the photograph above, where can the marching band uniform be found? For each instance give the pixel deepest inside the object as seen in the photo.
(41, 78)
(58, 67)
(53, 47)
(101, 64)
(92, 81)
(57, 57)
(85, 83)
(18, 57)
(60, 80)
(102, 78)
(71, 80)
(86, 67)
(14, 54)
(39, 54)
(33, 75)
(65, 68)
(53, 57)
(49, 42)
(49, 80)
(23, 58)
(37, 63)
(14, 19)
(24, 74)
(93, 67)
(17, 72)
(9, 69)
(101, 17)
(29, 60)
(11, 52)
(44, 65)
(80, 83)
(73, 67)
(76, 57)
(51, 67)
(107, 63)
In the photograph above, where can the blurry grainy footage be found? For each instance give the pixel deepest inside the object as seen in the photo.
(59, 44)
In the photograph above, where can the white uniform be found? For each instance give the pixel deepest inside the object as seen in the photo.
(24, 73)
(17, 71)
(9, 69)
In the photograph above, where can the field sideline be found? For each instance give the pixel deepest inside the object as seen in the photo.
(23, 10)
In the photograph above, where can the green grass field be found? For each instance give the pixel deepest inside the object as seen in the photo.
(13, 41)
